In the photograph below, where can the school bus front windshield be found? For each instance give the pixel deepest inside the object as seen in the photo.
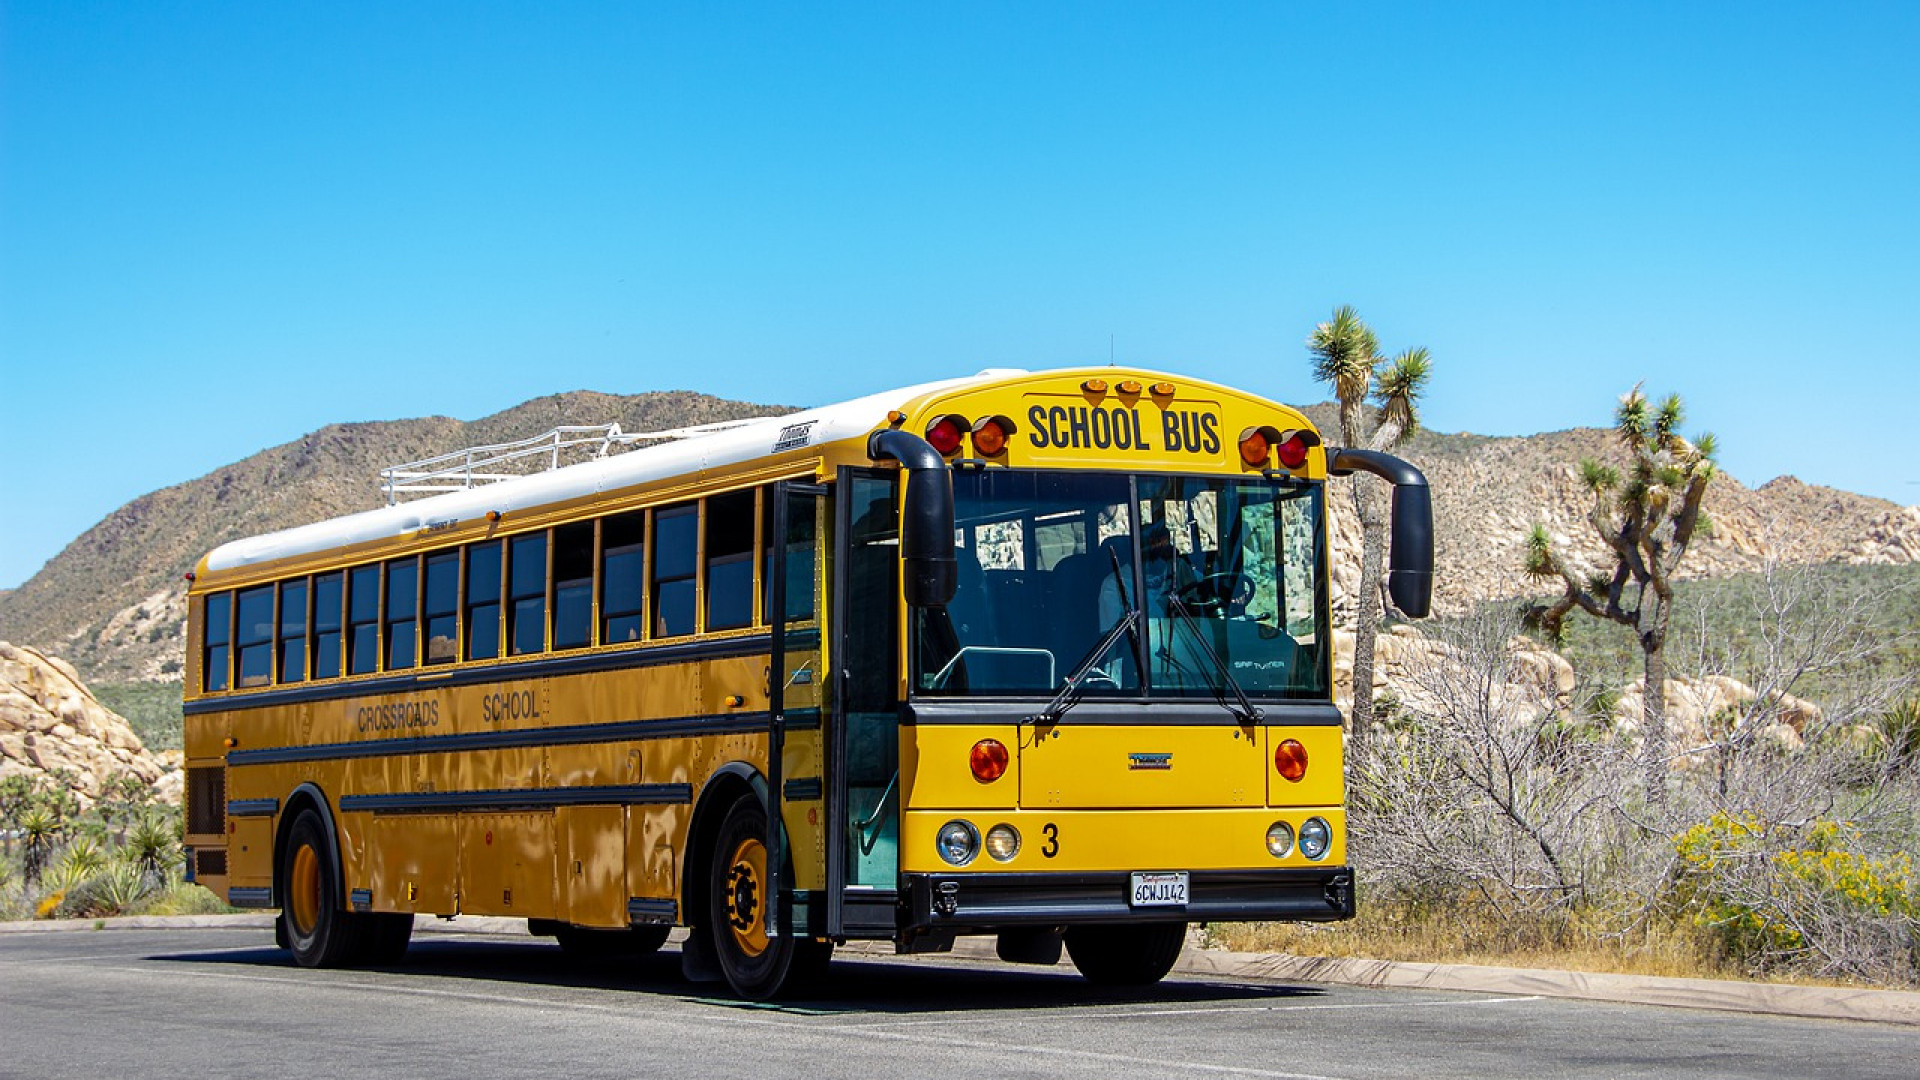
(1224, 576)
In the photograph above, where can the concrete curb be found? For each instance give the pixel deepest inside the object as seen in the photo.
(1776, 999)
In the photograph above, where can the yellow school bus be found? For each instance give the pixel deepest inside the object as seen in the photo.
(1045, 656)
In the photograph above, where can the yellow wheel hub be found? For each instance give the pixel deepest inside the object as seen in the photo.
(303, 890)
(746, 894)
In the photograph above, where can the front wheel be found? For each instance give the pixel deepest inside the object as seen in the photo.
(756, 965)
(1126, 955)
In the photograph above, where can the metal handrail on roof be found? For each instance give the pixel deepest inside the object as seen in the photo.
(459, 470)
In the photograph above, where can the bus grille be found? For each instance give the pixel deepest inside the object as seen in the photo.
(206, 801)
(210, 862)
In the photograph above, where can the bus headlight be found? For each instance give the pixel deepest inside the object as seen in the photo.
(1280, 839)
(958, 842)
(1003, 842)
(1316, 836)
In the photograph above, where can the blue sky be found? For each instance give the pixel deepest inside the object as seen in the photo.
(222, 226)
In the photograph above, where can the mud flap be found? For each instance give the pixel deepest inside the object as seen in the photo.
(697, 962)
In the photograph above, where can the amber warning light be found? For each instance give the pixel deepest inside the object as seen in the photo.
(988, 760)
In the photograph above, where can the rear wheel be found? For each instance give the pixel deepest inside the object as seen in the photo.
(1126, 955)
(317, 933)
(756, 965)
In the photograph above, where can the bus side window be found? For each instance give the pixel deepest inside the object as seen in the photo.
(363, 620)
(573, 586)
(483, 600)
(254, 633)
(676, 533)
(216, 628)
(527, 593)
(729, 552)
(440, 607)
(327, 602)
(403, 601)
(797, 549)
(293, 631)
(622, 562)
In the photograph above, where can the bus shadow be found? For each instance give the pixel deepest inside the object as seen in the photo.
(853, 984)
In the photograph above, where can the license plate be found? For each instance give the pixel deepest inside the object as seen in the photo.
(1165, 889)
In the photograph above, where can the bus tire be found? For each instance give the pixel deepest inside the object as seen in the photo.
(755, 965)
(592, 943)
(318, 933)
(1136, 954)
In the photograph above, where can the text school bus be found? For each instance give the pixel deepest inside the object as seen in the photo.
(1045, 656)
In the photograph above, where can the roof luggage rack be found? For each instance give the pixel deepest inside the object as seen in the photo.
(568, 445)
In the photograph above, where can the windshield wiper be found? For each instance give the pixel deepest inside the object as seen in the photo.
(1070, 693)
(1246, 713)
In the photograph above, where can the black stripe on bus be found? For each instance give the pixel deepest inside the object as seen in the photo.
(804, 789)
(428, 678)
(420, 802)
(250, 897)
(253, 807)
(570, 735)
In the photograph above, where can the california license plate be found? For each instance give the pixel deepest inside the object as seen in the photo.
(1160, 889)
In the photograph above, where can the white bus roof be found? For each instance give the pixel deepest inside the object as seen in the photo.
(755, 439)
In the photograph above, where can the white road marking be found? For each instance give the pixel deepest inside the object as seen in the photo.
(1085, 1013)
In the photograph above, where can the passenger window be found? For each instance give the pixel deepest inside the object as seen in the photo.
(676, 534)
(798, 550)
(483, 600)
(621, 571)
(326, 626)
(730, 560)
(441, 607)
(216, 625)
(403, 600)
(527, 593)
(573, 586)
(293, 631)
(363, 620)
(254, 631)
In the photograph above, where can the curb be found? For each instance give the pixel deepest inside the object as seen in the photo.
(1774, 999)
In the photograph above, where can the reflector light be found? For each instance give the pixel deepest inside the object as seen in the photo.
(944, 435)
(988, 760)
(1094, 386)
(1290, 759)
(1164, 389)
(989, 438)
(1254, 448)
(1293, 452)
(1131, 386)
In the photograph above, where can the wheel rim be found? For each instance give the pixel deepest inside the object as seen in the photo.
(303, 889)
(745, 890)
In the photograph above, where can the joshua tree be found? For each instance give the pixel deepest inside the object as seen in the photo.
(1646, 517)
(1346, 356)
(39, 829)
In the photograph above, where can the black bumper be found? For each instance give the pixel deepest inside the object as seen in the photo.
(980, 902)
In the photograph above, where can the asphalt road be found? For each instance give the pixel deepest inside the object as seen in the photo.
(224, 1003)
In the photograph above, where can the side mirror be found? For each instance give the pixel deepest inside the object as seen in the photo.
(1410, 563)
(928, 572)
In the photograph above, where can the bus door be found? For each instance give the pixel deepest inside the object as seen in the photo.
(863, 774)
(797, 537)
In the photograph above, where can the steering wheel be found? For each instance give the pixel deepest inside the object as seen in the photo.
(1214, 593)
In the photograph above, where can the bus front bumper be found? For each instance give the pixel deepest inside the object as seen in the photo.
(966, 903)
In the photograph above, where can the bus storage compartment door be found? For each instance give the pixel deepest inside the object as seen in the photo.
(414, 863)
(593, 877)
(1141, 767)
(506, 864)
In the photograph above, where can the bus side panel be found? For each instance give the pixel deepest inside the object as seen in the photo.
(653, 840)
(506, 864)
(593, 876)
(412, 861)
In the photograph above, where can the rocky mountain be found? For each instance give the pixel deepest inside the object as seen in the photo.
(113, 601)
(51, 725)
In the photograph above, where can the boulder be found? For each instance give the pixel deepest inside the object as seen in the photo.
(50, 723)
